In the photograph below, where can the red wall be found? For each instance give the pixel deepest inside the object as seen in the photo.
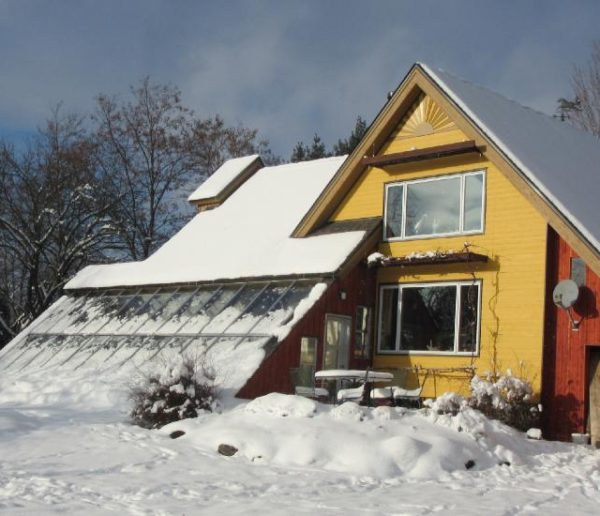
(274, 373)
(564, 381)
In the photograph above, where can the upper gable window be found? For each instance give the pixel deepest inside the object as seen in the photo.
(448, 205)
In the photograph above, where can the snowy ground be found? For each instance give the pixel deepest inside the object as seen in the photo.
(65, 446)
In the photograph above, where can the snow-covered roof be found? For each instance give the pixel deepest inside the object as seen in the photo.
(561, 161)
(224, 176)
(248, 236)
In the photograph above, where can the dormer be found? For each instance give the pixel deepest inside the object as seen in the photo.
(224, 181)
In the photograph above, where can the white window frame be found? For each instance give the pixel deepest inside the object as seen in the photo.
(461, 231)
(400, 287)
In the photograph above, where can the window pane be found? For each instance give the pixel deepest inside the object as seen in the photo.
(139, 310)
(181, 308)
(469, 301)
(99, 313)
(433, 207)
(66, 309)
(204, 305)
(258, 310)
(226, 312)
(283, 311)
(428, 318)
(393, 212)
(165, 313)
(361, 333)
(388, 319)
(308, 351)
(473, 202)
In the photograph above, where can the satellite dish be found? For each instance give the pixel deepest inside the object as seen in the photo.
(565, 294)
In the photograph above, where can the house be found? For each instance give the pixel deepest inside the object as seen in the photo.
(432, 251)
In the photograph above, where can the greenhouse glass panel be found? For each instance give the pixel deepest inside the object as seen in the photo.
(57, 311)
(283, 311)
(98, 313)
(147, 305)
(191, 313)
(260, 308)
(78, 316)
(234, 309)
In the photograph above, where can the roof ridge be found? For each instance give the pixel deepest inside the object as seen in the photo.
(559, 123)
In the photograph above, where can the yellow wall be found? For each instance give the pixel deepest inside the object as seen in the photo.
(513, 281)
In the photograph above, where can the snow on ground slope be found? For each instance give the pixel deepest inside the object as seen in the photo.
(65, 446)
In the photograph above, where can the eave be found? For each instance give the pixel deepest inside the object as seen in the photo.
(439, 151)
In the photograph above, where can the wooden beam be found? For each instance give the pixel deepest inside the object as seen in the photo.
(439, 259)
(439, 151)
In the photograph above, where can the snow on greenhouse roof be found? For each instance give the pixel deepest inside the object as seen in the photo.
(562, 162)
(225, 175)
(248, 236)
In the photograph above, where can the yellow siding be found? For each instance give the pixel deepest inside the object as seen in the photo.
(513, 281)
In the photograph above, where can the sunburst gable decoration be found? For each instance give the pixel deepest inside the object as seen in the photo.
(424, 117)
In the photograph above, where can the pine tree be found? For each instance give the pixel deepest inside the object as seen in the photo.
(299, 153)
(317, 149)
(303, 152)
(348, 145)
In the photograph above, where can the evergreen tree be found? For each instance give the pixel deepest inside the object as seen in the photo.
(348, 145)
(317, 149)
(303, 152)
(299, 153)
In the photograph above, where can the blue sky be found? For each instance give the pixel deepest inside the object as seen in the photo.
(288, 68)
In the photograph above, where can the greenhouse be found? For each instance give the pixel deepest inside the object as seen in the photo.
(114, 327)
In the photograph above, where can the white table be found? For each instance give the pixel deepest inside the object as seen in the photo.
(364, 376)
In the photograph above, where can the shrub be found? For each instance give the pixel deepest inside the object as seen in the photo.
(448, 403)
(507, 398)
(179, 390)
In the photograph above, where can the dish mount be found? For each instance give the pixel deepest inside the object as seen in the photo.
(565, 295)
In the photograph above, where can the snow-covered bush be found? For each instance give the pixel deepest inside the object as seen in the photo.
(507, 398)
(447, 403)
(179, 390)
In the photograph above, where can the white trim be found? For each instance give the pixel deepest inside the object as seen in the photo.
(461, 231)
(400, 287)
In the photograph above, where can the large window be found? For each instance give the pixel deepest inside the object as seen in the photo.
(446, 205)
(429, 318)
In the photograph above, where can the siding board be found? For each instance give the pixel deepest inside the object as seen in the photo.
(566, 351)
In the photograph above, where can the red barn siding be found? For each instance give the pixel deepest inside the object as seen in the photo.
(566, 351)
(274, 373)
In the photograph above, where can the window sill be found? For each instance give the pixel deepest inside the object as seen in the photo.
(412, 238)
(430, 259)
(429, 353)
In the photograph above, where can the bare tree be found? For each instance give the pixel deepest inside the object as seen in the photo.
(74, 197)
(584, 108)
(53, 218)
(152, 148)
